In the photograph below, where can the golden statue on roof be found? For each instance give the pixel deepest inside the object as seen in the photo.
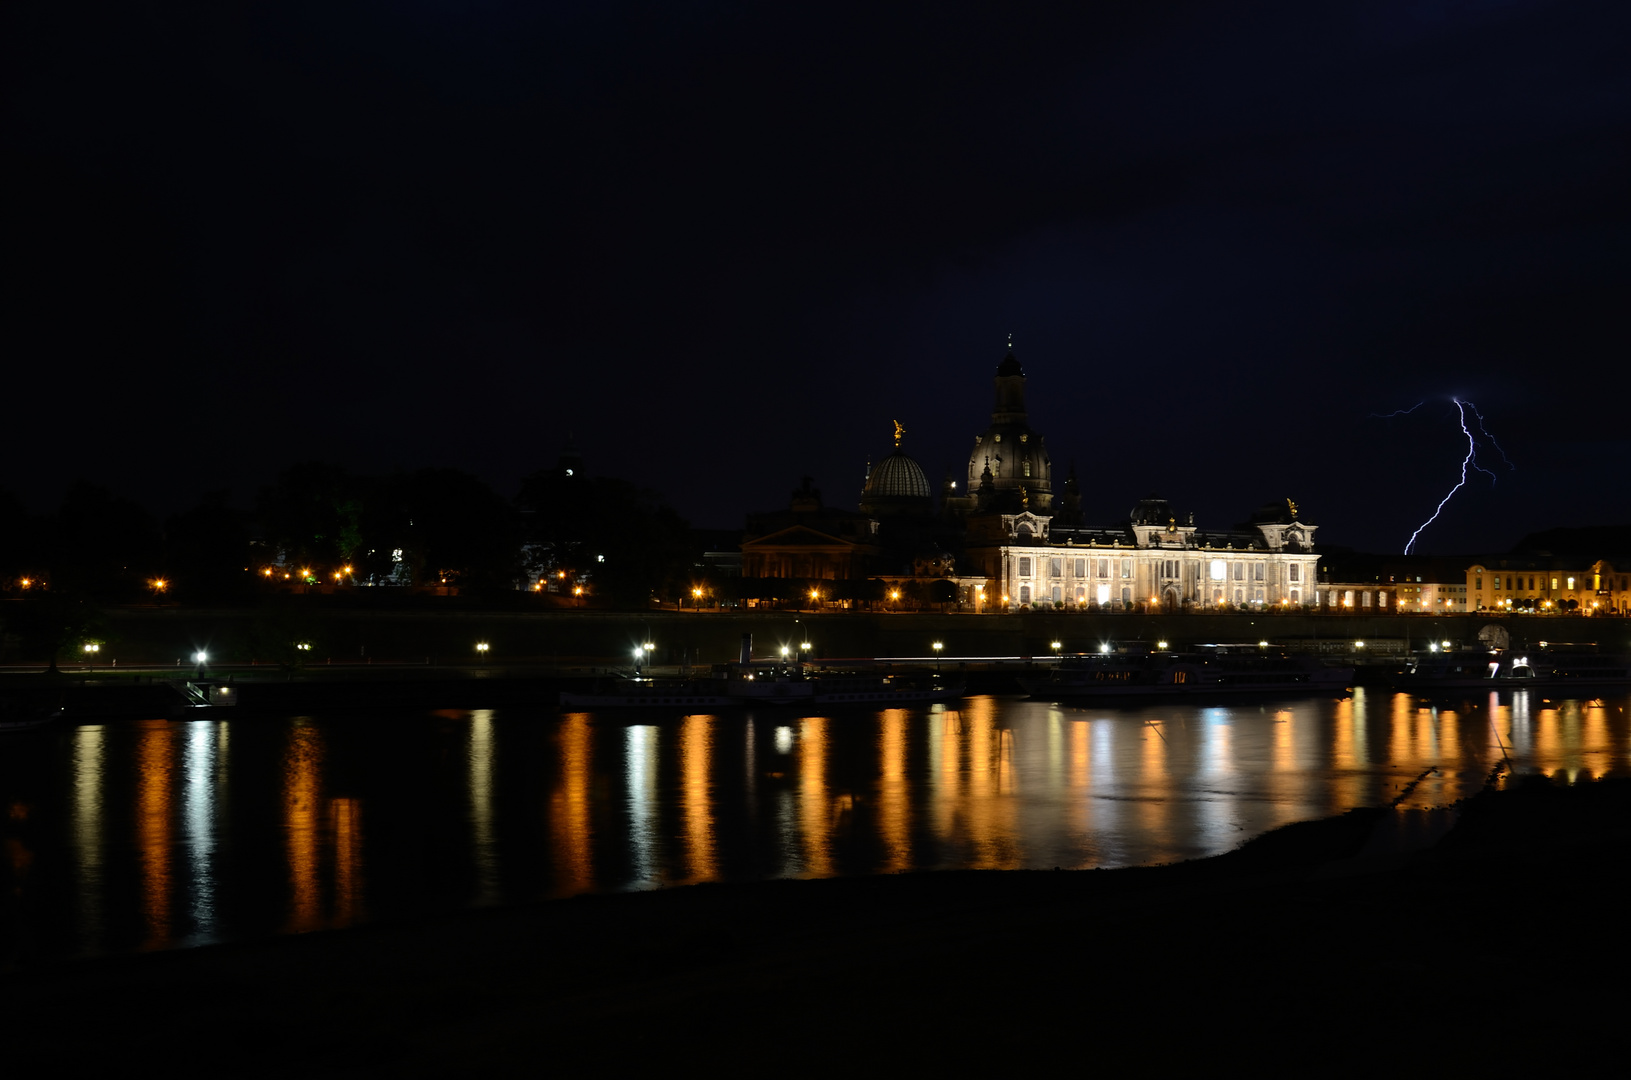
(900, 429)
(1293, 507)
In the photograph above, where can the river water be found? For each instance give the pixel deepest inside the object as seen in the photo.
(125, 837)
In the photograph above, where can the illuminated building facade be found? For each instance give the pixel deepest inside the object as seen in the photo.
(1034, 552)
(1548, 585)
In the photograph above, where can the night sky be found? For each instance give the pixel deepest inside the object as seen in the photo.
(726, 245)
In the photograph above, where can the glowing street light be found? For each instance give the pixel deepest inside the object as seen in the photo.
(937, 646)
(482, 647)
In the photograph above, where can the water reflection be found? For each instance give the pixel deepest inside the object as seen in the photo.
(483, 849)
(815, 808)
(621, 802)
(154, 755)
(696, 751)
(640, 773)
(203, 771)
(569, 819)
(85, 830)
(303, 756)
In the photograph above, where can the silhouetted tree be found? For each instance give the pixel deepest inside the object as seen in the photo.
(205, 552)
(448, 524)
(312, 514)
(622, 538)
(100, 545)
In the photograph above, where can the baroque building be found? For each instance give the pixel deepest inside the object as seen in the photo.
(1019, 554)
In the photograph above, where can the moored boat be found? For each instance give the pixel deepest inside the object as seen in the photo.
(1207, 669)
(1546, 665)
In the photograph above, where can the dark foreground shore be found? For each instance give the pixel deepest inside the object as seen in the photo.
(1339, 946)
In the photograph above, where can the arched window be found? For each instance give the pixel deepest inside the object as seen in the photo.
(1025, 594)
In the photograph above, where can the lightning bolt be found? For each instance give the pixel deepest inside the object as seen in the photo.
(1471, 459)
(1399, 412)
(1490, 437)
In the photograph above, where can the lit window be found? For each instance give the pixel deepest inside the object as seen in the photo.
(1571, 583)
(1218, 570)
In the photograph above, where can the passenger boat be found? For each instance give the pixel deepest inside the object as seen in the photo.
(1549, 665)
(1207, 669)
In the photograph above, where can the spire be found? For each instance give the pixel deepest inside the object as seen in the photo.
(1010, 387)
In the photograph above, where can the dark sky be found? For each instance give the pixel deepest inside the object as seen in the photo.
(726, 245)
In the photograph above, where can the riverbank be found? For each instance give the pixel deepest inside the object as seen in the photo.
(348, 629)
(1327, 946)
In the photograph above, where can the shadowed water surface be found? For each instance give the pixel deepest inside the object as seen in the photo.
(152, 835)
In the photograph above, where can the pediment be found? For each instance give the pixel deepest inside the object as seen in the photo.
(798, 536)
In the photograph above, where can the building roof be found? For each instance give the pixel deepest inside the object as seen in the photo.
(1010, 365)
(897, 477)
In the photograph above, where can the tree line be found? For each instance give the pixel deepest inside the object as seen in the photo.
(318, 523)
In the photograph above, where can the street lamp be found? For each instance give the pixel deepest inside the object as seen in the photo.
(1056, 646)
(937, 647)
(482, 647)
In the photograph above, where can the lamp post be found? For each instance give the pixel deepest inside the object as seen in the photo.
(937, 647)
(91, 649)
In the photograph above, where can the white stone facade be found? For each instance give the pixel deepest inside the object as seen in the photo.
(1172, 566)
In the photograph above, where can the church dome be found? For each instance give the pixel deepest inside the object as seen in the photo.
(1152, 510)
(897, 477)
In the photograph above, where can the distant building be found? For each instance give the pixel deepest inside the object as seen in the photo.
(1548, 585)
(810, 541)
(1014, 541)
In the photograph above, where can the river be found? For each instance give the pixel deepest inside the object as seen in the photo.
(146, 835)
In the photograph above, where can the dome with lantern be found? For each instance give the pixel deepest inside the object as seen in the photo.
(896, 485)
(1015, 456)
